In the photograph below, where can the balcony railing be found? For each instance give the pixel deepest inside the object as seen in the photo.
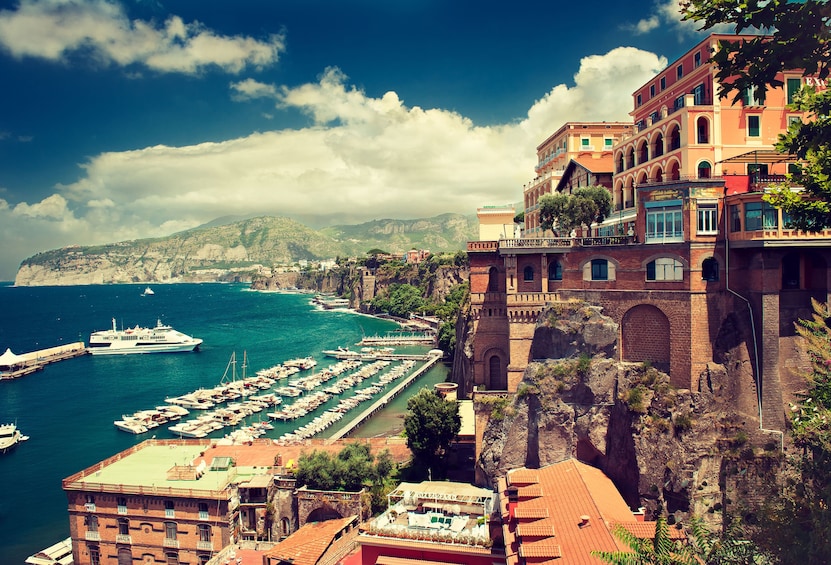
(769, 234)
(482, 246)
(204, 545)
(563, 242)
(123, 538)
(168, 542)
(91, 535)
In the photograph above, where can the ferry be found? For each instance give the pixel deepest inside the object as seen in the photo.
(159, 339)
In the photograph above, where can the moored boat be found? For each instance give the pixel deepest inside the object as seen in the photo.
(10, 436)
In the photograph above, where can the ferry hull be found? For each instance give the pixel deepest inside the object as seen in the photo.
(161, 348)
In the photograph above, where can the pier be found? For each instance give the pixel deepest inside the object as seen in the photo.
(432, 359)
(13, 366)
(413, 338)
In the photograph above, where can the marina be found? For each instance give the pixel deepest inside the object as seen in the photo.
(13, 366)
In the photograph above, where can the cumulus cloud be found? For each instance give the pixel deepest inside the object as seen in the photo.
(250, 89)
(668, 14)
(55, 29)
(363, 157)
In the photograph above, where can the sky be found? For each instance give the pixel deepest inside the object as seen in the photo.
(129, 119)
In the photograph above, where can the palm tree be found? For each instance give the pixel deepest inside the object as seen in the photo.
(660, 550)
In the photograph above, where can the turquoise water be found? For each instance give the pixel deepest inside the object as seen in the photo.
(68, 408)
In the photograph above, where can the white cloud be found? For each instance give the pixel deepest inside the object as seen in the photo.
(363, 158)
(250, 89)
(54, 29)
(669, 15)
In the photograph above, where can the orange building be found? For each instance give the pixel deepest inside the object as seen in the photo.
(691, 264)
(583, 141)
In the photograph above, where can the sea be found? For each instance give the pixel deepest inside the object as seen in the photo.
(68, 409)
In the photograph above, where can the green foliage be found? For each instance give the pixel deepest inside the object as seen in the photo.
(798, 39)
(351, 469)
(635, 399)
(401, 300)
(660, 550)
(583, 207)
(431, 425)
(520, 218)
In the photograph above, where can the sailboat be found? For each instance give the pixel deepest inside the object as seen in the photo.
(148, 292)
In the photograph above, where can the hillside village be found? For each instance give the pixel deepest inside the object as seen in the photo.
(614, 377)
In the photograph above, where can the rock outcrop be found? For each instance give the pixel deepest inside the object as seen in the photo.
(676, 449)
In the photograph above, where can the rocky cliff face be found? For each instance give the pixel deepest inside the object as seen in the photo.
(688, 452)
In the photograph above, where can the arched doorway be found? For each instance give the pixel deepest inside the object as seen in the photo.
(493, 280)
(497, 375)
(645, 335)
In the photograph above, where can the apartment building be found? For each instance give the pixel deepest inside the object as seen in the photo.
(691, 264)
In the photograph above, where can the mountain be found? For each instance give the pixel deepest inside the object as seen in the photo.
(224, 251)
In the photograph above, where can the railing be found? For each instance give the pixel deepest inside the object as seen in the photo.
(89, 507)
(482, 246)
(92, 536)
(169, 513)
(123, 538)
(122, 509)
(204, 546)
(777, 233)
(168, 542)
(564, 242)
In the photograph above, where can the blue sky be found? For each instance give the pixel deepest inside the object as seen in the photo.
(140, 118)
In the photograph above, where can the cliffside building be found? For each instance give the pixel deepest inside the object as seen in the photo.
(693, 265)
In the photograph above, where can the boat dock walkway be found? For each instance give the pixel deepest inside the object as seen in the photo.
(13, 366)
(432, 359)
(417, 338)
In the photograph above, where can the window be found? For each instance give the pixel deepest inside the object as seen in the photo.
(794, 86)
(639, 100)
(754, 125)
(204, 532)
(790, 271)
(600, 270)
(709, 270)
(707, 218)
(172, 558)
(757, 171)
(94, 555)
(665, 269)
(752, 96)
(125, 556)
(697, 60)
(698, 93)
(759, 216)
(702, 130)
(679, 71)
(735, 218)
(651, 90)
(794, 120)
(655, 117)
(91, 523)
(608, 142)
(124, 526)
(704, 170)
(663, 83)
(168, 509)
(664, 223)
(493, 280)
(203, 510)
(585, 142)
(170, 530)
(122, 505)
(555, 271)
(679, 102)
(528, 273)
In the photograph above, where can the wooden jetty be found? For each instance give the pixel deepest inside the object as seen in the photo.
(432, 359)
(13, 366)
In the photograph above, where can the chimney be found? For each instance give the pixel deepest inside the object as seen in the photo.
(584, 521)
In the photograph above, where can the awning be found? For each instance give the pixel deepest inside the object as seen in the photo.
(761, 156)
(9, 359)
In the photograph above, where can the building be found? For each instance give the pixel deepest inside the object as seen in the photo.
(707, 267)
(434, 522)
(563, 512)
(184, 501)
(582, 141)
(316, 543)
(497, 222)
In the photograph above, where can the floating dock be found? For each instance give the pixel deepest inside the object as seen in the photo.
(409, 338)
(13, 366)
(432, 359)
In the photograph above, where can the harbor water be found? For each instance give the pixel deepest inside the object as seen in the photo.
(68, 409)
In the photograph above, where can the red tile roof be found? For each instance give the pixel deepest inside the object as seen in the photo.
(309, 543)
(646, 530)
(604, 164)
(531, 491)
(530, 512)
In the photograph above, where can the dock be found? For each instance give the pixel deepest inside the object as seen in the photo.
(432, 359)
(410, 338)
(13, 366)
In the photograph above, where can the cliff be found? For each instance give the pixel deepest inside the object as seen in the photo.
(688, 452)
(238, 251)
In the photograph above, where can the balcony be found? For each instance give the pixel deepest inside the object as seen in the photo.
(533, 245)
(122, 509)
(780, 237)
(91, 535)
(123, 538)
(482, 246)
(168, 542)
(204, 546)
(89, 507)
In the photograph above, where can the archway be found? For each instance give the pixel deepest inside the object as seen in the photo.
(493, 280)
(497, 374)
(645, 336)
(322, 514)
(658, 145)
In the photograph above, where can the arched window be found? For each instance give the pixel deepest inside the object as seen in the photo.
(704, 170)
(125, 556)
(555, 271)
(665, 269)
(630, 157)
(172, 558)
(658, 175)
(600, 270)
(285, 526)
(170, 530)
(702, 130)
(528, 273)
(493, 280)
(643, 153)
(675, 139)
(709, 270)
(658, 145)
(498, 379)
(204, 532)
(620, 163)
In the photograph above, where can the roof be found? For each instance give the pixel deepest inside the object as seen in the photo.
(646, 530)
(444, 490)
(309, 543)
(576, 507)
(8, 358)
(57, 554)
(594, 165)
(761, 156)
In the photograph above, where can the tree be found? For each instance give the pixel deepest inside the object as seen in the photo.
(431, 425)
(797, 36)
(660, 550)
(520, 218)
(587, 205)
(553, 212)
(351, 469)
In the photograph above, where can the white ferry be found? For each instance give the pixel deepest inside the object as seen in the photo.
(160, 339)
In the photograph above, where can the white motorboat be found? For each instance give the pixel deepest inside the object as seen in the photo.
(148, 292)
(10, 436)
(159, 339)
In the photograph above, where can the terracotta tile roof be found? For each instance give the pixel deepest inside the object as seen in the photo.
(544, 549)
(530, 512)
(531, 491)
(538, 529)
(309, 543)
(523, 477)
(604, 164)
(646, 530)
